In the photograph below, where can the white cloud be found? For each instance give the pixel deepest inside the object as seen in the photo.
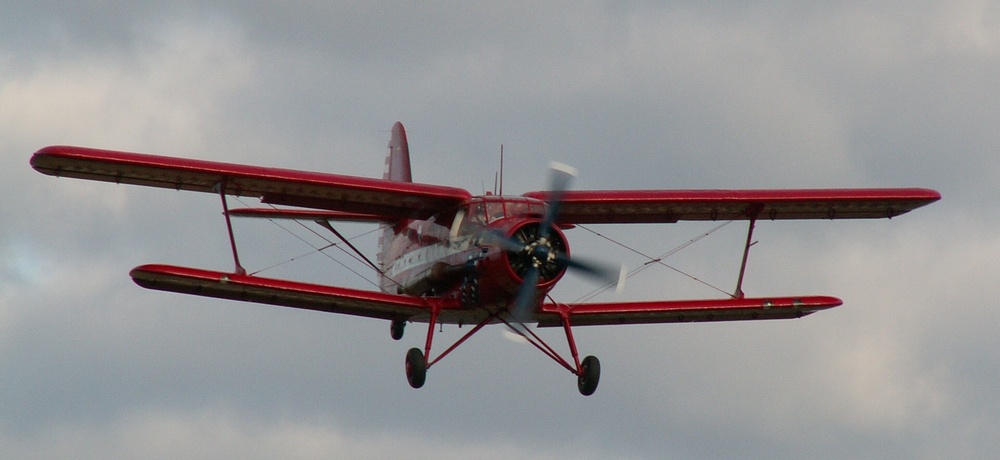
(159, 93)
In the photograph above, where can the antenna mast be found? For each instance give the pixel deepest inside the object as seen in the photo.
(501, 169)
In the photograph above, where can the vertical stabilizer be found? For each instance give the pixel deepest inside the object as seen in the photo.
(397, 163)
(397, 168)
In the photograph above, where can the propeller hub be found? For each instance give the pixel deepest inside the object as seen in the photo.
(537, 251)
(541, 252)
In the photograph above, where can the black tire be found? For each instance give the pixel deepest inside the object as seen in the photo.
(590, 376)
(416, 368)
(396, 329)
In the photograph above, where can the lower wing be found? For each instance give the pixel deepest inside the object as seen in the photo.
(676, 311)
(284, 293)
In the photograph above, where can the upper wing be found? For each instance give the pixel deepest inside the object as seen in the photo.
(389, 199)
(246, 288)
(668, 206)
(675, 311)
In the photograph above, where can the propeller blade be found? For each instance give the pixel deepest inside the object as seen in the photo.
(622, 276)
(508, 244)
(561, 177)
(526, 295)
(538, 249)
(598, 271)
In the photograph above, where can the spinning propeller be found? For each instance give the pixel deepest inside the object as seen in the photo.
(537, 252)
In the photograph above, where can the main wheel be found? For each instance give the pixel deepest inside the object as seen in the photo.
(416, 368)
(590, 375)
(396, 329)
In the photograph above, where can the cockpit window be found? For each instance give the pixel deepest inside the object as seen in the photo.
(473, 219)
(520, 208)
(479, 214)
(494, 210)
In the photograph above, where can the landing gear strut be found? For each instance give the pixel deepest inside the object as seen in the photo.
(587, 371)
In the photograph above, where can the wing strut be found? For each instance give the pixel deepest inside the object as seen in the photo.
(221, 186)
(326, 224)
(738, 294)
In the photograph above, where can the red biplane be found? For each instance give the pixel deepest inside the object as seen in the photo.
(447, 256)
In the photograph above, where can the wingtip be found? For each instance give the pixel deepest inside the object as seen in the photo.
(563, 167)
(41, 160)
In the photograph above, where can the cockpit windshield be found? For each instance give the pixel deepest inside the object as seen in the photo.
(483, 211)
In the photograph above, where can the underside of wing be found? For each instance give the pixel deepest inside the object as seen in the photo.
(300, 214)
(669, 206)
(284, 293)
(679, 311)
(391, 200)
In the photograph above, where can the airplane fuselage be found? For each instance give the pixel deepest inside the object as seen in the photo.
(459, 253)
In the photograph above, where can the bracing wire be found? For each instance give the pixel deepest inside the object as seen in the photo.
(651, 261)
(318, 249)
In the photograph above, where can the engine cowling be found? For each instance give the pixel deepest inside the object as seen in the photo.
(547, 253)
(517, 247)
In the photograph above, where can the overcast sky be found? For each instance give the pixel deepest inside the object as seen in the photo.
(634, 95)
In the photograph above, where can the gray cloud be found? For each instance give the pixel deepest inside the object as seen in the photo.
(635, 95)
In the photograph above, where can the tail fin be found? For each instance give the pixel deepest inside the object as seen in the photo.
(397, 168)
(397, 163)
